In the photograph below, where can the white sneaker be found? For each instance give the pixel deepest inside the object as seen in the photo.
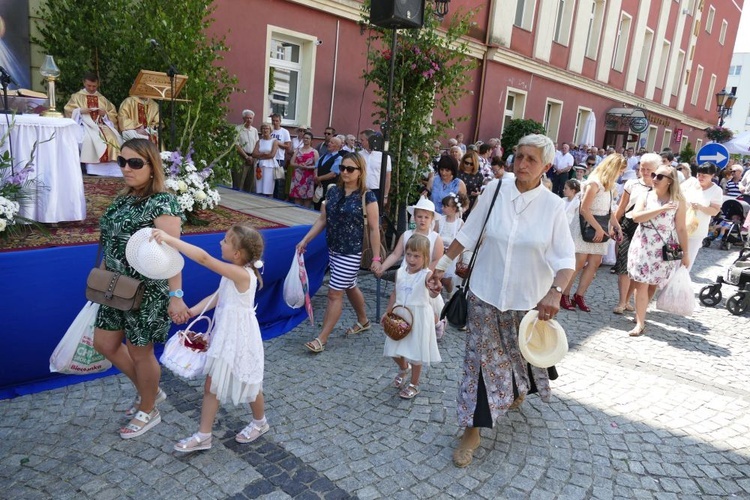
(251, 433)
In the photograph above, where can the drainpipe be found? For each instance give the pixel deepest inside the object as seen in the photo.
(485, 61)
(335, 67)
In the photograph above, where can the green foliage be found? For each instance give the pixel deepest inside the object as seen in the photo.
(687, 154)
(431, 71)
(719, 134)
(110, 37)
(515, 130)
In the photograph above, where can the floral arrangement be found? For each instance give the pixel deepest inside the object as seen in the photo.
(14, 187)
(719, 134)
(188, 183)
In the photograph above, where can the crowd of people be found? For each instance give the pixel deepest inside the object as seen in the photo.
(539, 221)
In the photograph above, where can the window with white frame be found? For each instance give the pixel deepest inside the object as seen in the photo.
(581, 119)
(723, 32)
(621, 42)
(563, 21)
(663, 61)
(698, 145)
(524, 14)
(290, 73)
(691, 7)
(666, 141)
(683, 142)
(552, 116)
(710, 95)
(697, 85)
(651, 137)
(678, 72)
(710, 18)
(648, 42)
(515, 106)
(596, 18)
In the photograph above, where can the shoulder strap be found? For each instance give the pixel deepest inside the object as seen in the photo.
(476, 249)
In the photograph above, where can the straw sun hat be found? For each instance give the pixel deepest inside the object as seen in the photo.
(542, 343)
(151, 259)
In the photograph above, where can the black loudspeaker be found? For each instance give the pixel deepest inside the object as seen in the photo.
(377, 142)
(397, 14)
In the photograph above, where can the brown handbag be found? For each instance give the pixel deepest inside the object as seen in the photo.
(367, 253)
(112, 289)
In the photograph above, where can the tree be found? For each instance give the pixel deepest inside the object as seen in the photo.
(431, 72)
(110, 37)
(515, 130)
(687, 154)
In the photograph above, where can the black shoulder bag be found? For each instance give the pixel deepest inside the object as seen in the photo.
(456, 309)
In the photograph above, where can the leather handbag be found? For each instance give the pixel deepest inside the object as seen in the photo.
(588, 232)
(367, 253)
(457, 308)
(669, 251)
(113, 289)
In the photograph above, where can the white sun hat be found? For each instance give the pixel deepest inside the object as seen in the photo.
(423, 204)
(151, 259)
(542, 343)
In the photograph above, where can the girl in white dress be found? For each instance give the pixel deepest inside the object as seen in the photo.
(420, 345)
(234, 365)
(448, 227)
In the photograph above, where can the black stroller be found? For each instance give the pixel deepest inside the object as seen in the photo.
(732, 207)
(738, 275)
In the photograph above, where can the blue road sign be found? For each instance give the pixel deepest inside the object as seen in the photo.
(714, 153)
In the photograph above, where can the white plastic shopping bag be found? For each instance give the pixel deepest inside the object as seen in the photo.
(677, 296)
(294, 291)
(610, 257)
(75, 354)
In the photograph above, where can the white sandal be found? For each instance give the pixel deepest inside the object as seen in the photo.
(251, 432)
(161, 396)
(193, 443)
(134, 430)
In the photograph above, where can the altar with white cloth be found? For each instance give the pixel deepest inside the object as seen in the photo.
(57, 190)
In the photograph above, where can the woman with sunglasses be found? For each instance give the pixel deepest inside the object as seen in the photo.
(468, 172)
(661, 218)
(143, 203)
(704, 199)
(342, 216)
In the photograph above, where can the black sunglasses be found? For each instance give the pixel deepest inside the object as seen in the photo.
(469, 163)
(590, 164)
(659, 177)
(134, 163)
(349, 169)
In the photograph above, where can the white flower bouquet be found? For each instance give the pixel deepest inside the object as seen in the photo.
(188, 183)
(8, 211)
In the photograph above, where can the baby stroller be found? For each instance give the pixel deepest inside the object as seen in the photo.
(738, 275)
(733, 213)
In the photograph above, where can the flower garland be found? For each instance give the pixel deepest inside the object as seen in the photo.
(189, 184)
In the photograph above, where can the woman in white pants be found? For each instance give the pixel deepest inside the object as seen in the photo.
(704, 198)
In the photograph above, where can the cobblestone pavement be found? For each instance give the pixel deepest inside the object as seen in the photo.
(666, 415)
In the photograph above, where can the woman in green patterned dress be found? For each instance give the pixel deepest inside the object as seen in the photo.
(144, 202)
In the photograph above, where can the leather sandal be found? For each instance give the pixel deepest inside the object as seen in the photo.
(358, 328)
(637, 332)
(193, 443)
(135, 429)
(409, 392)
(402, 377)
(464, 454)
(161, 396)
(315, 345)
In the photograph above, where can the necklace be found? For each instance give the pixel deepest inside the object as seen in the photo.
(524, 208)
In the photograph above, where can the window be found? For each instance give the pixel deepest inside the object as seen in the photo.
(524, 14)
(580, 130)
(290, 73)
(683, 142)
(666, 141)
(723, 32)
(691, 7)
(515, 106)
(621, 42)
(710, 19)
(698, 144)
(678, 72)
(595, 28)
(651, 138)
(710, 96)
(735, 70)
(552, 115)
(697, 85)
(563, 21)
(648, 42)
(665, 48)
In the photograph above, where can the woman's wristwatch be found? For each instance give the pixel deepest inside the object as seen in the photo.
(176, 293)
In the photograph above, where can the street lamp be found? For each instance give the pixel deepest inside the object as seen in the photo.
(724, 103)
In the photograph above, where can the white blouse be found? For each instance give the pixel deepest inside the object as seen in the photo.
(527, 241)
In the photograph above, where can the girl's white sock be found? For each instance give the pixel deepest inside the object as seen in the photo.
(204, 435)
(261, 422)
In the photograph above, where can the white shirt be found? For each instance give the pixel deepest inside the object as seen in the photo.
(563, 161)
(373, 159)
(247, 138)
(527, 241)
(633, 162)
(281, 135)
(572, 207)
(694, 193)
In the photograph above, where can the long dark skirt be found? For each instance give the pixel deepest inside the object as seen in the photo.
(628, 230)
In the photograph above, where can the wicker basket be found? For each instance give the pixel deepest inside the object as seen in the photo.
(462, 264)
(397, 323)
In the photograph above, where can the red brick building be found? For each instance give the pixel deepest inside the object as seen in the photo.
(555, 61)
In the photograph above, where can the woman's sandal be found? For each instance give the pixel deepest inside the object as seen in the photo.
(135, 429)
(315, 345)
(409, 392)
(358, 328)
(161, 396)
(193, 443)
(619, 309)
(637, 332)
(464, 454)
(402, 377)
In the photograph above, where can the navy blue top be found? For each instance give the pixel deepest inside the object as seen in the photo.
(345, 222)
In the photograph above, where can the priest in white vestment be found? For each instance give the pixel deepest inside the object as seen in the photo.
(98, 118)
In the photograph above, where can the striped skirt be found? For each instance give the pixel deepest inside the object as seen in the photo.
(344, 270)
(628, 230)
